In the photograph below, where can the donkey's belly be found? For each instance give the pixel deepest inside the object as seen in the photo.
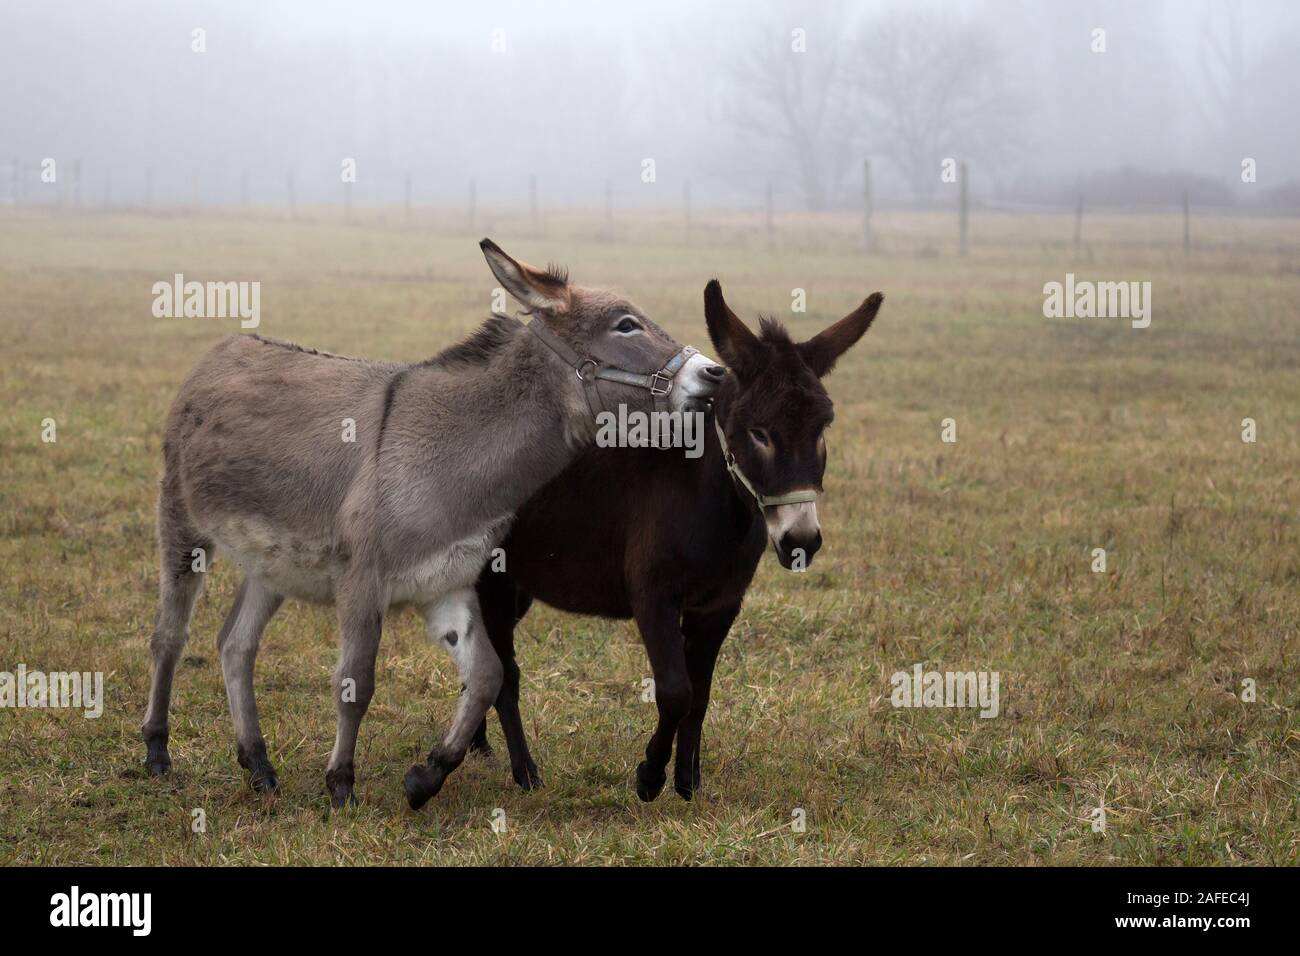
(310, 568)
(450, 568)
(295, 565)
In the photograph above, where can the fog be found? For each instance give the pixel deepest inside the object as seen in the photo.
(727, 97)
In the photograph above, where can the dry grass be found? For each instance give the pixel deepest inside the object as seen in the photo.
(1122, 687)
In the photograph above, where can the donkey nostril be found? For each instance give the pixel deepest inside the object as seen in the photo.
(791, 542)
(717, 371)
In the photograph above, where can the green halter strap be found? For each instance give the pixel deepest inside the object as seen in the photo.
(764, 501)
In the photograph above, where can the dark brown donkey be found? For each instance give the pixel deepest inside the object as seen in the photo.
(673, 541)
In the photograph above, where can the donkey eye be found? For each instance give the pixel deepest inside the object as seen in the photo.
(760, 437)
(627, 324)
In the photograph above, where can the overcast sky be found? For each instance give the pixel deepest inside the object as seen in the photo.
(582, 93)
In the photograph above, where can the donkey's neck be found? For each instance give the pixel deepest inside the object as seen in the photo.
(513, 417)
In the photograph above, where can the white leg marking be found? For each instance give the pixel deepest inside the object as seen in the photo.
(476, 660)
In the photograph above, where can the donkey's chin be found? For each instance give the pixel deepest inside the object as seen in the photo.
(793, 559)
(692, 405)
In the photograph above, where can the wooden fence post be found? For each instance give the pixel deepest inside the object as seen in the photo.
(963, 215)
(771, 218)
(1078, 224)
(533, 215)
(686, 206)
(866, 206)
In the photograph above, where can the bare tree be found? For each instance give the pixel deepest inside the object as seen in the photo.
(789, 111)
(1221, 79)
(927, 86)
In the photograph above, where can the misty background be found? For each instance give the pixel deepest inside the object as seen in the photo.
(427, 97)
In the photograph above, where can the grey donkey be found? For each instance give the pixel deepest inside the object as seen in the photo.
(258, 465)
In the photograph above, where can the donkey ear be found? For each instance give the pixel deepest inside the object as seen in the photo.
(821, 351)
(535, 288)
(730, 336)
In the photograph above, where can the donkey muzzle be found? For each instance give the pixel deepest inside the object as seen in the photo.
(795, 533)
(696, 384)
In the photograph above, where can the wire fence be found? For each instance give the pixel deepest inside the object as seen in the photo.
(776, 218)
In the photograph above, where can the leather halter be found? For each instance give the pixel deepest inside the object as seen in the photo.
(588, 370)
(764, 501)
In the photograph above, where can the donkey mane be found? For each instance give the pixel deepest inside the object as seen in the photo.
(292, 347)
(478, 349)
(770, 330)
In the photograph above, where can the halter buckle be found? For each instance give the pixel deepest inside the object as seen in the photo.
(660, 384)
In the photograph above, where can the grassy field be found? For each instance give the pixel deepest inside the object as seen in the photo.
(1120, 689)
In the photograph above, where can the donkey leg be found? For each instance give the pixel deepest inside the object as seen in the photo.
(490, 588)
(501, 601)
(179, 587)
(479, 742)
(704, 633)
(457, 624)
(662, 634)
(522, 767)
(237, 644)
(361, 622)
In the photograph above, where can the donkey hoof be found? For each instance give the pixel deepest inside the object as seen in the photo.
(264, 780)
(527, 776)
(421, 784)
(158, 765)
(340, 783)
(342, 797)
(686, 784)
(648, 784)
(157, 761)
